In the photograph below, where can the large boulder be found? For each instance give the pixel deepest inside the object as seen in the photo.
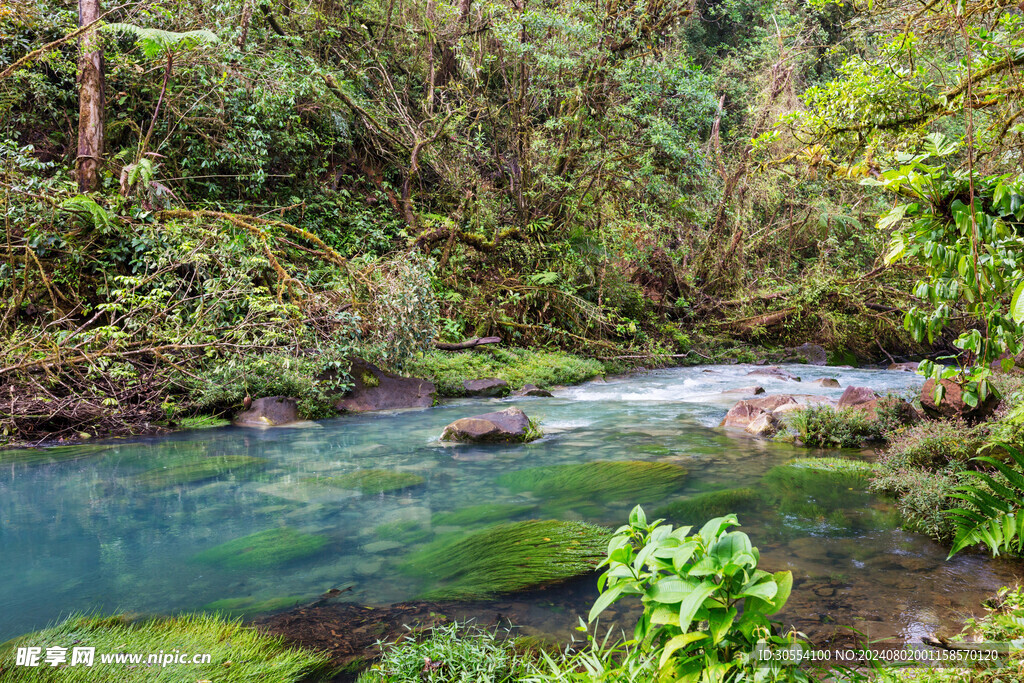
(854, 396)
(744, 412)
(375, 389)
(774, 372)
(509, 425)
(952, 404)
(271, 411)
(827, 382)
(812, 354)
(490, 386)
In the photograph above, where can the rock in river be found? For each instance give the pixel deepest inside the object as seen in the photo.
(490, 386)
(775, 372)
(507, 425)
(271, 411)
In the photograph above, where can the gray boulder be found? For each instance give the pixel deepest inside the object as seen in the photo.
(490, 386)
(812, 354)
(271, 411)
(509, 425)
(375, 389)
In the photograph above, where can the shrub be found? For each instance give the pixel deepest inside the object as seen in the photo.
(934, 445)
(449, 654)
(706, 604)
(823, 426)
(922, 498)
(225, 385)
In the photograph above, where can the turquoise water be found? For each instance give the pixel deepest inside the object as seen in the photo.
(113, 531)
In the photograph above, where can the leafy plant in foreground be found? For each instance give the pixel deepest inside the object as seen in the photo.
(993, 514)
(706, 604)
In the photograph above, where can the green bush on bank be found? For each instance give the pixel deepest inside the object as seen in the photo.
(516, 366)
(823, 426)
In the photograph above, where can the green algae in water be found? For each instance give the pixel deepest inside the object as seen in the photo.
(263, 549)
(507, 558)
(829, 491)
(590, 484)
(199, 470)
(700, 508)
(49, 456)
(407, 532)
(372, 481)
(476, 515)
(243, 607)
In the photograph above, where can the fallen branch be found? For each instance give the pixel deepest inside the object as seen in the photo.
(468, 344)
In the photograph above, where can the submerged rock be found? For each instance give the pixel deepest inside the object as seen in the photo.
(952, 404)
(774, 372)
(508, 425)
(271, 411)
(487, 387)
(827, 382)
(375, 389)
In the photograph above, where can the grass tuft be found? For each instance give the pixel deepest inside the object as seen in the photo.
(237, 653)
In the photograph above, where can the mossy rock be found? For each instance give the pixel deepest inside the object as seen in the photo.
(507, 558)
(700, 508)
(199, 470)
(263, 549)
(372, 481)
(49, 456)
(476, 515)
(588, 485)
(244, 607)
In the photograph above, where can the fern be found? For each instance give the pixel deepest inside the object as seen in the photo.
(154, 41)
(993, 515)
(90, 213)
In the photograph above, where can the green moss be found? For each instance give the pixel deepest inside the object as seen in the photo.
(475, 515)
(369, 379)
(705, 506)
(373, 481)
(237, 653)
(590, 484)
(199, 470)
(507, 558)
(243, 607)
(47, 456)
(516, 366)
(263, 549)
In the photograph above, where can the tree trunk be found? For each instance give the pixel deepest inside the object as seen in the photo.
(90, 100)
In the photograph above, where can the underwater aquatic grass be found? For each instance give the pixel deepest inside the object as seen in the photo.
(372, 481)
(702, 507)
(507, 558)
(199, 470)
(47, 456)
(593, 483)
(263, 549)
(237, 653)
(475, 515)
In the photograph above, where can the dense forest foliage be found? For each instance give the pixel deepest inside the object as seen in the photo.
(206, 200)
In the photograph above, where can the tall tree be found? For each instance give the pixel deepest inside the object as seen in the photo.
(90, 99)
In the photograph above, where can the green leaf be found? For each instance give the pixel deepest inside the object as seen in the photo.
(1017, 304)
(693, 602)
(679, 642)
(606, 599)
